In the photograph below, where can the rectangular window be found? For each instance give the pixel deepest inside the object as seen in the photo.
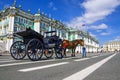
(15, 29)
(28, 22)
(21, 20)
(16, 19)
(24, 20)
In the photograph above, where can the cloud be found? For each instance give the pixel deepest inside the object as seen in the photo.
(95, 10)
(98, 30)
(99, 27)
(54, 8)
(98, 9)
(51, 5)
(93, 35)
(105, 33)
(117, 38)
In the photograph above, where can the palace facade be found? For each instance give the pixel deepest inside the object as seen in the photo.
(112, 46)
(14, 19)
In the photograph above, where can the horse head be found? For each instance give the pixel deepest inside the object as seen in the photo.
(80, 41)
(65, 41)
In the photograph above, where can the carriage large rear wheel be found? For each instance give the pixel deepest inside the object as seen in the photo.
(34, 49)
(17, 50)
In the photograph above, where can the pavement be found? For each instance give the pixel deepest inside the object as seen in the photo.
(97, 66)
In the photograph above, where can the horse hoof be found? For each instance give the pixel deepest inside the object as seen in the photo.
(72, 55)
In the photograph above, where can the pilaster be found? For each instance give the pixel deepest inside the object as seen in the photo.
(11, 15)
(76, 35)
(67, 35)
(3, 29)
(37, 23)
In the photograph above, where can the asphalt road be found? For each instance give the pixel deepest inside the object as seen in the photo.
(94, 67)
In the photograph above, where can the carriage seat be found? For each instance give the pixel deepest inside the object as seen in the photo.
(48, 43)
(51, 39)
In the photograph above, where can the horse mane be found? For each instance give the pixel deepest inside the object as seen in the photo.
(73, 40)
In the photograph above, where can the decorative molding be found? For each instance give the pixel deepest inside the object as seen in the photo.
(4, 26)
(37, 21)
(3, 18)
(11, 15)
(9, 37)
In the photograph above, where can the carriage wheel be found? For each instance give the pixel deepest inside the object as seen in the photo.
(58, 52)
(34, 49)
(17, 50)
(48, 53)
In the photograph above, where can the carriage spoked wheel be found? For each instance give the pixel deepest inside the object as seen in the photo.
(17, 50)
(34, 49)
(58, 51)
(48, 53)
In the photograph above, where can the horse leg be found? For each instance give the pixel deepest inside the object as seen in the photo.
(64, 52)
(73, 52)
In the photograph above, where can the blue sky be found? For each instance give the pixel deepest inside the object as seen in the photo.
(101, 17)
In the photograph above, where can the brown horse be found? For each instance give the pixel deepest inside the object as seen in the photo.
(71, 45)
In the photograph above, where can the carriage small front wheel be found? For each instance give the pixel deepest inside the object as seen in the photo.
(58, 52)
(17, 50)
(48, 53)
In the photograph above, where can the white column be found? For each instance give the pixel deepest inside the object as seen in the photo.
(37, 22)
(67, 35)
(37, 27)
(76, 36)
(61, 34)
(10, 31)
(3, 29)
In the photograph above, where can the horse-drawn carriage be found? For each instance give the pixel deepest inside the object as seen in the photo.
(34, 45)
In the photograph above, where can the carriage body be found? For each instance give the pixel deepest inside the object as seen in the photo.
(34, 45)
(28, 34)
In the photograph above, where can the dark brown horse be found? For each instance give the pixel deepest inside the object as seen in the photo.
(71, 45)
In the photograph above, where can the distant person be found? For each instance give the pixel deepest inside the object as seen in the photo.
(83, 52)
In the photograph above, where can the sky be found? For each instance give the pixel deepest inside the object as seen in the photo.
(101, 18)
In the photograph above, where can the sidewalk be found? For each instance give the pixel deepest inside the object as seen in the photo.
(4, 53)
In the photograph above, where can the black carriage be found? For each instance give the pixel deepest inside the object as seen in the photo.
(34, 45)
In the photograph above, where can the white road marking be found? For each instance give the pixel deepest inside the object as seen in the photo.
(13, 64)
(20, 63)
(8, 61)
(42, 67)
(87, 71)
(94, 56)
(4, 59)
(82, 59)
